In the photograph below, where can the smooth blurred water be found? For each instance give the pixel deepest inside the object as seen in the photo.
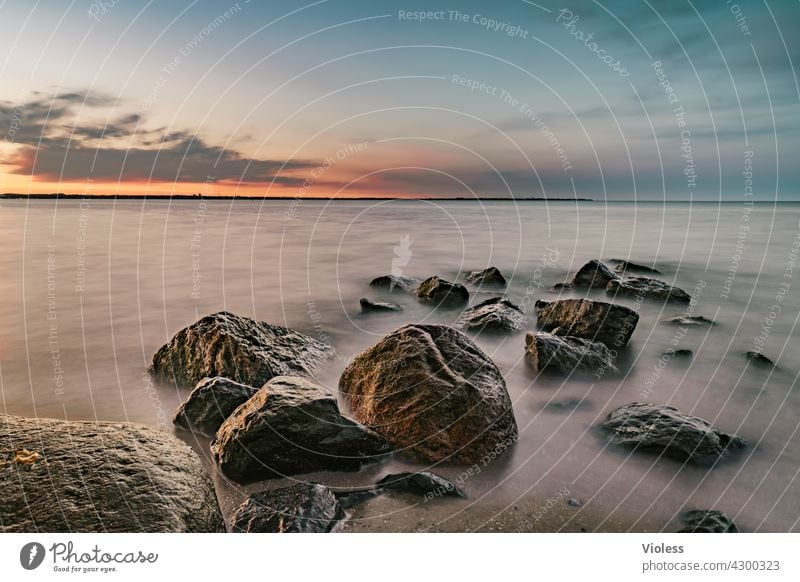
(90, 291)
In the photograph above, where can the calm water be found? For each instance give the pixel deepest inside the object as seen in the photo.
(91, 290)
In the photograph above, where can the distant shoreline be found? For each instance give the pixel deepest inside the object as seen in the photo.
(61, 196)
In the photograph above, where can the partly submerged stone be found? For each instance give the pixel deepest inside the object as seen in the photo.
(759, 359)
(441, 293)
(495, 314)
(299, 508)
(623, 266)
(552, 353)
(236, 347)
(431, 391)
(371, 306)
(707, 521)
(490, 277)
(664, 429)
(647, 288)
(77, 477)
(592, 275)
(395, 283)
(423, 483)
(210, 403)
(693, 320)
(608, 323)
(292, 426)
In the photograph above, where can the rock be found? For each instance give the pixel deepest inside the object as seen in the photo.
(623, 266)
(395, 283)
(430, 390)
(300, 508)
(495, 314)
(291, 426)
(707, 521)
(664, 429)
(759, 359)
(593, 275)
(574, 502)
(607, 323)
(236, 347)
(210, 403)
(369, 306)
(79, 477)
(697, 320)
(442, 293)
(567, 404)
(491, 277)
(545, 351)
(424, 483)
(647, 288)
(681, 353)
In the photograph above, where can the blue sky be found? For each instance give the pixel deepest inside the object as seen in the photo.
(627, 100)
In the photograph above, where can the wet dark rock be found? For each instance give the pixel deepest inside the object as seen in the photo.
(299, 508)
(491, 277)
(680, 353)
(574, 502)
(432, 392)
(395, 283)
(696, 320)
(236, 347)
(623, 266)
(759, 359)
(442, 293)
(495, 314)
(370, 306)
(707, 521)
(593, 275)
(77, 477)
(610, 324)
(647, 288)
(565, 354)
(292, 426)
(567, 404)
(424, 484)
(663, 429)
(210, 403)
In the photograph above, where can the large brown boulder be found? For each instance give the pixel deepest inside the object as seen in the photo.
(430, 390)
(63, 476)
(236, 347)
(292, 426)
(548, 352)
(598, 321)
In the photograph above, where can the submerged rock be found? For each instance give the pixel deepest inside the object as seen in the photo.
(424, 483)
(495, 314)
(210, 403)
(545, 351)
(680, 353)
(236, 347)
(300, 508)
(623, 266)
(759, 359)
(395, 283)
(696, 320)
(663, 429)
(647, 288)
(567, 404)
(292, 426)
(78, 477)
(442, 293)
(707, 521)
(491, 277)
(593, 275)
(610, 324)
(370, 306)
(430, 390)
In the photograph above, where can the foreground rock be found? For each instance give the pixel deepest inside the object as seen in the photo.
(430, 390)
(496, 314)
(424, 484)
(663, 429)
(623, 266)
(292, 426)
(395, 283)
(759, 359)
(491, 277)
(612, 325)
(61, 476)
(300, 508)
(647, 288)
(210, 403)
(548, 352)
(370, 306)
(442, 293)
(694, 320)
(593, 275)
(707, 521)
(236, 347)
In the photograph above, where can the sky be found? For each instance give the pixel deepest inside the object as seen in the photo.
(625, 100)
